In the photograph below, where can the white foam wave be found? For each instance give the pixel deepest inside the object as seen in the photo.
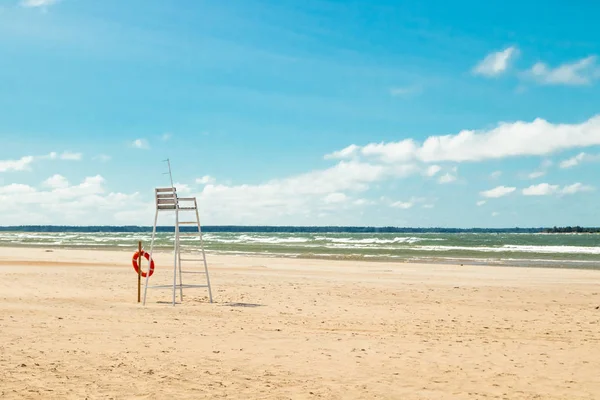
(404, 239)
(518, 248)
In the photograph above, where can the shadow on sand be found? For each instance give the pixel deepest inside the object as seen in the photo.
(241, 305)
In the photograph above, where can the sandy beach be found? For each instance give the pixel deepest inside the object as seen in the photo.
(71, 328)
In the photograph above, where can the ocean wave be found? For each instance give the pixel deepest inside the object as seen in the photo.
(374, 245)
(402, 239)
(518, 248)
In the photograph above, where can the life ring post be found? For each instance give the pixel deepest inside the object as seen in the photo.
(136, 260)
(139, 273)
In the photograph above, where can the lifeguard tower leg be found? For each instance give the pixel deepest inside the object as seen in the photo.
(180, 278)
(176, 255)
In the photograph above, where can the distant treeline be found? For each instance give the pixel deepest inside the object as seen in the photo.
(571, 229)
(292, 229)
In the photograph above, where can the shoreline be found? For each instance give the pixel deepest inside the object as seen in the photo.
(122, 256)
(480, 262)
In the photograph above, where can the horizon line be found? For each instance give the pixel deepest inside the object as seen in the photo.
(299, 226)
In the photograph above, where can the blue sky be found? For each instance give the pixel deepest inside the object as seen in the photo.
(301, 112)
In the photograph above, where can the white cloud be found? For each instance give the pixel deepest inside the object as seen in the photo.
(345, 153)
(391, 152)
(71, 156)
(333, 198)
(140, 144)
(536, 174)
(578, 159)
(536, 138)
(481, 202)
(573, 161)
(405, 205)
(206, 179)
(15, 189)
(57, 181)
(61, 203)
(541, 171)
(182, 188)
(362, 202)
(495, 214)
(25, 162)
(576, 188)
(499, 191)
(542, 189)
(496, 63)
(432, 170)
(546, 189)
(496, 174)
(22, 164)
(581, 72)
(38, 3)
(295, 198)
(166, 136)
(447, 178)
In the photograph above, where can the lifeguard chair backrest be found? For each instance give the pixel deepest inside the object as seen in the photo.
(166, 198)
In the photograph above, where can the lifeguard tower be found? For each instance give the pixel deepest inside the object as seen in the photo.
(167, 201)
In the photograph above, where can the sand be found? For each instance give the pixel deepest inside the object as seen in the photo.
(71, 328)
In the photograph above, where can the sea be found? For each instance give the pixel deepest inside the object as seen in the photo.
(577, 250)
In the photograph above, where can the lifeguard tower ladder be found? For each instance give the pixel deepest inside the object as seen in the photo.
(167, 200)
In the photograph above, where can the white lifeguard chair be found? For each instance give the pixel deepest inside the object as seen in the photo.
(167, 200)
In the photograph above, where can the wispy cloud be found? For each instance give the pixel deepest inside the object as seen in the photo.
(399, 91)
(541, 170)
(499, 191)
(25, 162)
(166, 136)
(71, 156)
(38, 3)
(205, 180)
(345, 153)
(481, 202)
(536, 174)
(546, 189)
(576, 188)
(495, 64)
(432, 170)
(414, 201)
(363, 202)
(334, 198)
(22, 164)
(140, 144)
(581, 72)
(496, 174)
(405, 205)
(578, 159)
(447, 178)
(102, 157)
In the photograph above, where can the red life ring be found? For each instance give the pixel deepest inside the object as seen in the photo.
(134, 260)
